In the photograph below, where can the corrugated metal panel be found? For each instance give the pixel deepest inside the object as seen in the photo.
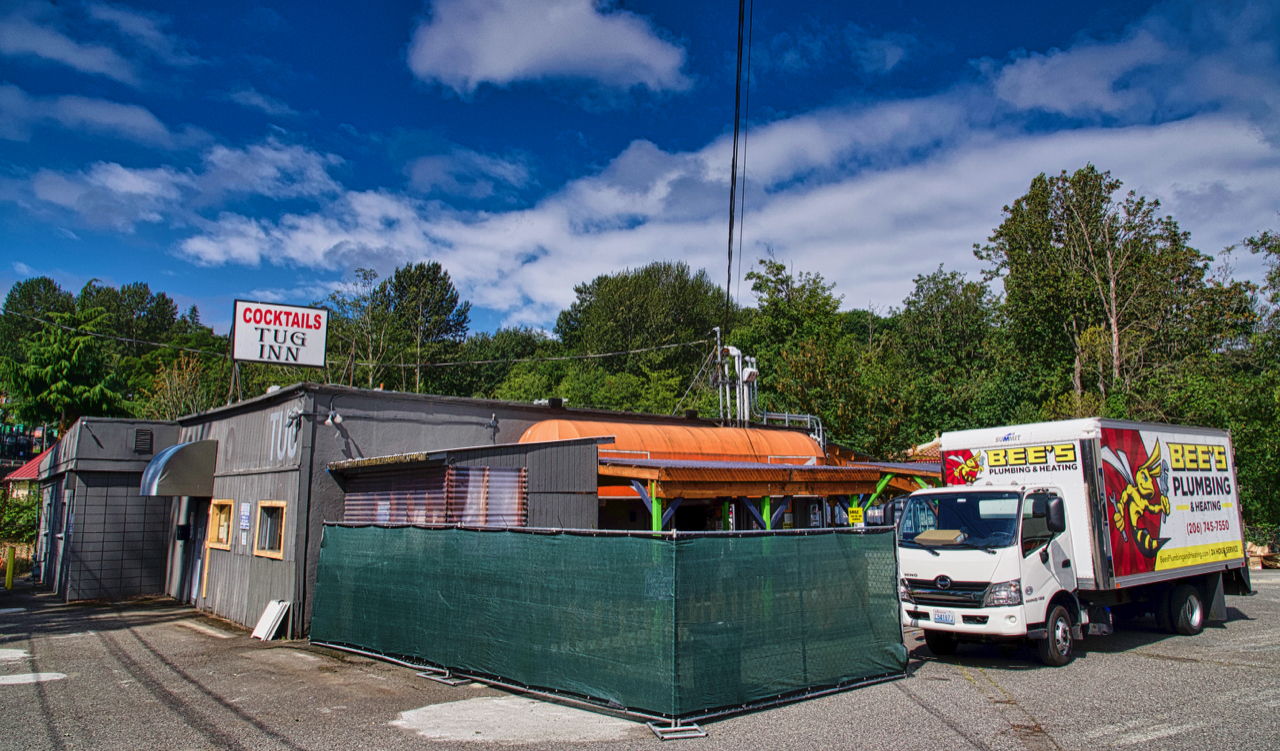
(258, 439)
(239, 584)
(474, 496)
(686, 441)
(399, 498)
(488, 496)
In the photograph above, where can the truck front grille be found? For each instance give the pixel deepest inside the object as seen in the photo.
(957, 595)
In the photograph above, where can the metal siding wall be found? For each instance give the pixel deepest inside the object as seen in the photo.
(118, 539)
(257, 439)
(233, 587)
(258, 460)
(563, 487)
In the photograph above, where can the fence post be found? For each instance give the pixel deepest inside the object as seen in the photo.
(8, 567)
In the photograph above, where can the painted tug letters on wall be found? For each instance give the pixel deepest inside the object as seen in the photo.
(279, 334)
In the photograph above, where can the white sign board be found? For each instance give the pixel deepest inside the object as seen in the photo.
(279, 334)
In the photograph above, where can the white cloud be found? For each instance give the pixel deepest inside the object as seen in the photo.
(121, 197)
(466, 173)
(256, 100)
(1083, 80)
(467, 43)
(271, 168)
(111, 195)
(145, 30)
(21, 37)
(1222, 56)
(871, 232)
(23, 270)
(48, 31)
(20, 112)
(878, 54)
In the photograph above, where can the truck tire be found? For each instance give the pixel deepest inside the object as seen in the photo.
(940, 643)
(1058, 647)
(1187, 610)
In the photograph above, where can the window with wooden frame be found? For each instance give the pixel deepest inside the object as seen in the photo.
(268, 538)
(219, 534)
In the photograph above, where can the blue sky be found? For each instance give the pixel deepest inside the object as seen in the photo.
(230, 149)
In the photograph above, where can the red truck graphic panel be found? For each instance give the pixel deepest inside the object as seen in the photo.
(1135, 481)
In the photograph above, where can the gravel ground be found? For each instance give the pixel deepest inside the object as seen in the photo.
(148, 673)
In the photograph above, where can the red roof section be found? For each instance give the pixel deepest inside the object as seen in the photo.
(28, 471)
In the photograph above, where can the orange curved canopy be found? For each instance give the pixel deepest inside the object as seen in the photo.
(640, 441)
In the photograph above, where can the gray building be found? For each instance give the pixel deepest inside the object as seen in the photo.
(98, 536)
(249, 510)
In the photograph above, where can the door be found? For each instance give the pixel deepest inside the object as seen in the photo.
(1046, 563)
(198, 518)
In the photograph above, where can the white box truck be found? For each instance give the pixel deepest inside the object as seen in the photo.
(1049, 531)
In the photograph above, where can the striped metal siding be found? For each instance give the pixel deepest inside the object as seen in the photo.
(489, 496)
(473, 496)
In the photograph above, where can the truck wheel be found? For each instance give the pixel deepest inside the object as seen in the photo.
(1057, 648)
(1186, 610)
(941, 643)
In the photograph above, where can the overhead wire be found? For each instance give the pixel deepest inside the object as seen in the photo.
(366, 363)
(733, 169)
(746, 128)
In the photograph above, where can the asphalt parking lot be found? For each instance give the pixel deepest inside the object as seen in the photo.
(149, 674)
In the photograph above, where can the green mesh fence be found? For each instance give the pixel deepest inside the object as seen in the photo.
(675, 627)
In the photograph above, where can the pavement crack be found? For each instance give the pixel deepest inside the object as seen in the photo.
(955, 727)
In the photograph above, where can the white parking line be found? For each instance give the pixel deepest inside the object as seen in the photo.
(1159, 731)
(7, 611)
(21, 678)
(12, 654)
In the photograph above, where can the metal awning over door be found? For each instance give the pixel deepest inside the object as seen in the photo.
(182, 469)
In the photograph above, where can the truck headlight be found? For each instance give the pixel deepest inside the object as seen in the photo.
(1002, 594)
(904, 592)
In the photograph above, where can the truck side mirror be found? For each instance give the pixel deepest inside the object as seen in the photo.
(1057, 516)
(889, 513)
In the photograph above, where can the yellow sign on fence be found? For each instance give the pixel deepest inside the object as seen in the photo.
(855, 515)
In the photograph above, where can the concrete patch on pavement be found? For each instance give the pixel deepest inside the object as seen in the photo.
(21, 678)
(287, 659)
(514, 720)
(208, 630)
(12, 654)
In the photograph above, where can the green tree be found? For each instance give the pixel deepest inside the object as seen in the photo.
(662, 303)
(483, 379)
(427, 314)
(63, 374)
(363, 326)
(29, 299)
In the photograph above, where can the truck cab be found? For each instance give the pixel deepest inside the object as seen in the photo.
(984, 563)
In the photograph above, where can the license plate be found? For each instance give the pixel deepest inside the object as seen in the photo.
(944, 616)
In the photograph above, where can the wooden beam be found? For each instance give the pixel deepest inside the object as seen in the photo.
(630, 473)
(759, 489)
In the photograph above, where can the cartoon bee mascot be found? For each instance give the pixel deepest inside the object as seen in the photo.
(966, 470)
(1143, 505)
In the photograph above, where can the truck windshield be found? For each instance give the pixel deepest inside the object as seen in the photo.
(983, 519)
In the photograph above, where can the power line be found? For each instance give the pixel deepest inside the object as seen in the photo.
(114, 338)
(530, 359)
(733, 169)
(450, 364)
(746, 128)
